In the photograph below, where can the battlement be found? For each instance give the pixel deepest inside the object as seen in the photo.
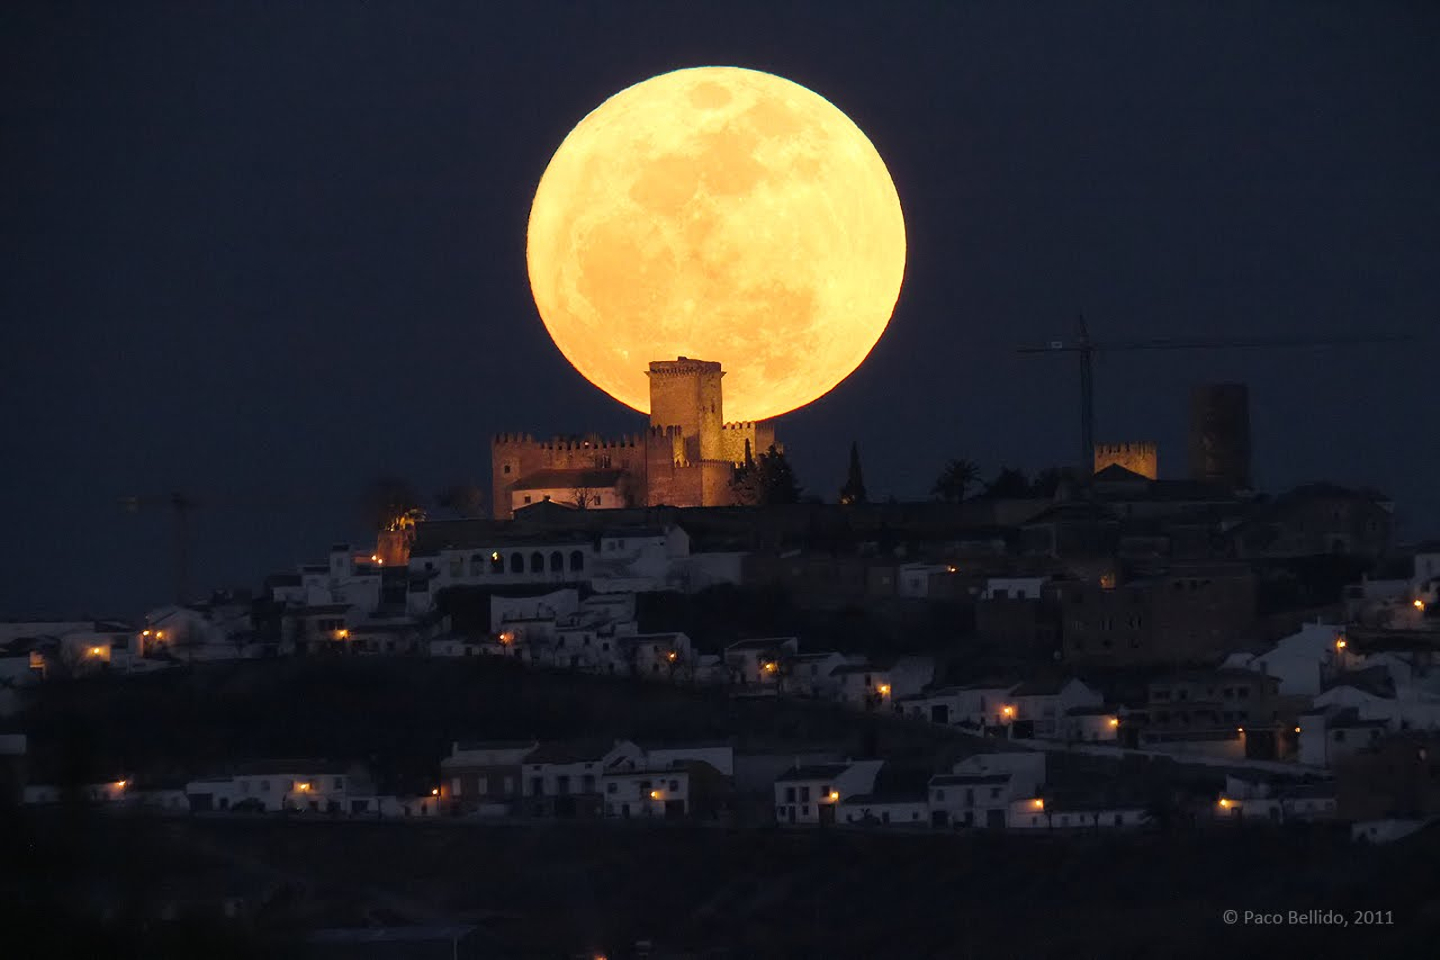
(565, 443)
(682, 367)
(1137, 456)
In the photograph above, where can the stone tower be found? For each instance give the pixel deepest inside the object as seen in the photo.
(1220, 434)
(1142, 457)
(686, 393)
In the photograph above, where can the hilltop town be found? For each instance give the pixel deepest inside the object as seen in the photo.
(1119, 656)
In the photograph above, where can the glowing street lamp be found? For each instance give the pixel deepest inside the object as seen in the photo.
(1420, 605)
(1007, 712)
(884, 689)
(1114, 722)
(1340, 643)
(834, 796)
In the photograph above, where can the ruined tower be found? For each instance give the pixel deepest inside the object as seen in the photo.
(1220, 434)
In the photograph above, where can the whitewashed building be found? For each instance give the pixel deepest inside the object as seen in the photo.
(812, 794)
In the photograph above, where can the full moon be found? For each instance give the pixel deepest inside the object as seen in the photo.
(724, 214)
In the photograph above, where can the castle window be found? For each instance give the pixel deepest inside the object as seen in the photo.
(577, 560)
(506, 468)
(537, 562)
(527, 498)
(517, 563)
(557, 562)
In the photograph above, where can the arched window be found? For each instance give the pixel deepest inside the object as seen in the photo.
(477, 565)
(537, 562)
(517, 563)
(557, 562)
(577, 560)
(497, 563)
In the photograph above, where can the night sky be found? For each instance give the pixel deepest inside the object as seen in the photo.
(264, 253)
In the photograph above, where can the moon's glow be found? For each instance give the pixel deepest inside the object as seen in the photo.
(724, 214)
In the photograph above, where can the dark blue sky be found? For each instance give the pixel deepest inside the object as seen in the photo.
(269, 251)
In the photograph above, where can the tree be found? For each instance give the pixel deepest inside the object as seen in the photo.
(765, 481)
(391, 503)
(582, 497)
(1008, 484)
(1047, 482)
(854, 489)
(465, 499)
(957, 478)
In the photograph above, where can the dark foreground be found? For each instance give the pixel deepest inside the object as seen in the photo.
(562, 890)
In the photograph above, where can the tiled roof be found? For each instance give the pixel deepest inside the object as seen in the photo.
(822, 771)
(969, 779)
(569, 479)
(572, 751)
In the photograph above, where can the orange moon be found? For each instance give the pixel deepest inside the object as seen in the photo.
(724, 214)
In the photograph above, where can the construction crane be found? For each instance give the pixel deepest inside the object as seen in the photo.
(1085, 349)
(182, 507)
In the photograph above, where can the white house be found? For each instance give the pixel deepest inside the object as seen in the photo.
(104, 645)
(812, 794)
(312, 786)
(1081, 813)
(1026, 768)
(642, 791)
(1300, 660)
(758, 662)
(914, 579)
(1256, 797)
(1333, 731)
(809, 674)
(877, 685)
(970, 799)
(551, 606)
(1042, 703)
(974, 705)
(720, 756)
(562, 778)
(657, 656)
(1013, 588)
(1090, 725)
(902, 809)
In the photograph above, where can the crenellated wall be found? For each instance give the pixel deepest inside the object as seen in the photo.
(760, 433)
(517, 455)
(1141, 456)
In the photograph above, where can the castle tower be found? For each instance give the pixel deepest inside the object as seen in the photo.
(686, 393)
(1142, 457)
(1220, 434)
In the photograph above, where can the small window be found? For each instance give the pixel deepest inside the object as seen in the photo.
(506, 468)
(527, 498)
(611, 787)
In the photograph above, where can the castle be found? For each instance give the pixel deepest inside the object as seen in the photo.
(685, 459)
